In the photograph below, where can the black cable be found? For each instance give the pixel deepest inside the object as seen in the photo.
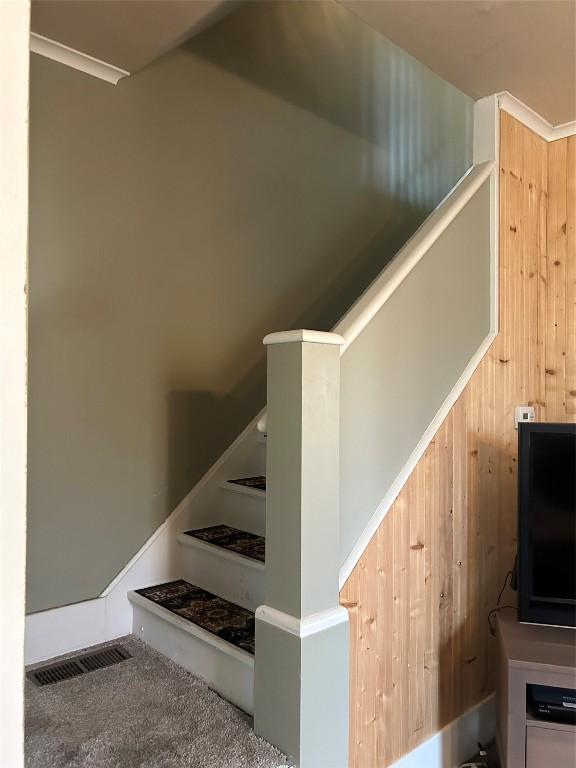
(495, 611)
(509, 574)
(499, 607)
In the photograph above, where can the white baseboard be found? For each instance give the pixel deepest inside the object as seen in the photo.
(451, 746)
(63, 630)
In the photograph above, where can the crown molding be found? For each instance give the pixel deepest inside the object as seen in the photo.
(76, 59)
(533, 120)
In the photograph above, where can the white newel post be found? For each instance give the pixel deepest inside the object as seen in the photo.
(302, 664)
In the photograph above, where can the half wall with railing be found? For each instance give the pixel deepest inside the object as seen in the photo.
(350, 413)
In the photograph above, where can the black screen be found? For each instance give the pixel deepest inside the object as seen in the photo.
(552, 516)
(547, 524)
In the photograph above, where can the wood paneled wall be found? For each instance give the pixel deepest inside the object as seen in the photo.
(421, 652)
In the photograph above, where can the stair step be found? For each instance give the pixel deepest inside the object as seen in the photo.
(258, 482)
(211, 637)
(226, 620)
(251, 486)
(214, 565)
(231, 539)
(243, 504)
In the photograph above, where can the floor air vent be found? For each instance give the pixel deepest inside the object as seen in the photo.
(79, 665)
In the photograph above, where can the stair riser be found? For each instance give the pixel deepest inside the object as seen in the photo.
(231, 677)
(261, 457)
(228, 577)
(248, 513)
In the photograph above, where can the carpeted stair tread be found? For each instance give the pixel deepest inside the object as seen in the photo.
(256, 483)
(241, 542)
(222, 618)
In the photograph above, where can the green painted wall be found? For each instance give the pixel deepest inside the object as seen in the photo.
(399, 371)
(255, 179)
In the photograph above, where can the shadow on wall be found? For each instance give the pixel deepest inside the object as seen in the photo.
(202, 424)
(324, 60)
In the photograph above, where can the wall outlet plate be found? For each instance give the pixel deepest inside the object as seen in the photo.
(524, 413)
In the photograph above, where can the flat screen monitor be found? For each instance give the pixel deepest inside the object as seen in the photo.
(547, 524)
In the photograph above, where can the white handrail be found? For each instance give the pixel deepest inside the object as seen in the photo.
(397, 270)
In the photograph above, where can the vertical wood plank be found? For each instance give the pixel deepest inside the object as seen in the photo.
(460, 523)
(431, 574)
(557, 239)
(349, 599)
(570, 386)
(384, 641)
(417, 573)
(439, 490)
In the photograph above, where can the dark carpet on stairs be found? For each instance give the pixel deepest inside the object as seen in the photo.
(145, 712)
(214, 614)
(241, 542)
(257, 483)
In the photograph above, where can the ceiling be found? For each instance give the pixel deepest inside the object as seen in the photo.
(125, 33)
(526, 47)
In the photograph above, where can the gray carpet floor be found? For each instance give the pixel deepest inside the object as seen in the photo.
(145, 712)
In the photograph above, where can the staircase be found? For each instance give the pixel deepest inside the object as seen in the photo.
(204, 620)
(349, 414)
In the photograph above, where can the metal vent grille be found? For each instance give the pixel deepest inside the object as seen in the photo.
(79, 665)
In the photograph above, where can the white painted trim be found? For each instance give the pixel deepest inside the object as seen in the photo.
(384, 506)
(302, 335)
(261, 426)
(533, 120)
(51, 49)
(14, 109)
(226, 554)
(486, 141)
(309, 625)
(564, 130)
(374, 298)
(457, 741)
